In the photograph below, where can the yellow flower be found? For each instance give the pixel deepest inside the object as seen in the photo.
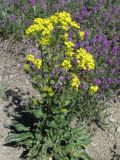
(85, 60)
(64, 110)
(65, 36)
(35, 101)
(69, 53)
(75, 25)
(37, 63)
(81, 34)
(45, 40)
(66, 64)
(69, 44)
(93, 89)
(49, 90)
(26, 67)
(75, 82)
(30, 57)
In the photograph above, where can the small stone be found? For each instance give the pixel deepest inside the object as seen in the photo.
(93, 144)
(118, 129)
(11, 76)
(18, 65)
(27, 82)
(6, 125)
(1, 125)
(0, 78)
(111, 119)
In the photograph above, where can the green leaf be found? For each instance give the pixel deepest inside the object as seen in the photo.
(18, 137)
(35, 150)
(27, 143)
(36, 113)
(84, 156)
(52, 124)
(20, 127)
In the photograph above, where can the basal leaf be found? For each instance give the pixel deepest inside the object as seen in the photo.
(18, 137)
(84, 156)
(35, 113)
(20, 127)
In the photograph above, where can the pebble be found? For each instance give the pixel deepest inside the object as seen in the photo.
(18, 65)
(27, 82)
(93, 144)
(1, 125)
(0, 78)
(111, 119)
(118, 129)
(11, 76)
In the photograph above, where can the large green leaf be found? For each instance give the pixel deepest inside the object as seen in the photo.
(36, 113)
(79, 154)
(27, 143)
(18, 137)
(20, 127)
(84, 156)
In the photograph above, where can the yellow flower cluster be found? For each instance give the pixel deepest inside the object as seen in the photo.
(43, 30)
(93, 89)
(30, 57)
(75, 82)
(66, 64)
(85, 60)
(35, 101)
(35, 61)
(26, 67)
(48, 90)
(43, 27)
(63, 19)
(69, 48)
(81, 34)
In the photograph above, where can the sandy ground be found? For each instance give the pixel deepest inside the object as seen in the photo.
(105, 144)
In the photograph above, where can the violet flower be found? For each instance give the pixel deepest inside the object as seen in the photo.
(89, 48)
(13, 18)
(86, 35)
(98, 82)
(32, 2)
(115, 50)
(109, 80)
(8, 2)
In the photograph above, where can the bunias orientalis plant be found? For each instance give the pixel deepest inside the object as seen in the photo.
(57, 73)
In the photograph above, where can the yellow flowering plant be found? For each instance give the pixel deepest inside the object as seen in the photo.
(58, 51)
(62, 73)
(58, 73)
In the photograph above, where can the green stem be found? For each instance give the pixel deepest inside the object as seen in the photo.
(42, 58)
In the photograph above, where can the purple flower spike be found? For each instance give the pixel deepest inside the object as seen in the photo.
(105, 43)
(95, 9)
(115, 50)
(99, 38)
(84, 11)
(70, 36)
(107, 87)
(113, 71)
(62, 78)
(8, 2)
(13, 18)
(98, 82)
(76, 61)
(33, 50)
(110, 80)
(32, 2)
(89, 48)
(86, 35)
(109, 61)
